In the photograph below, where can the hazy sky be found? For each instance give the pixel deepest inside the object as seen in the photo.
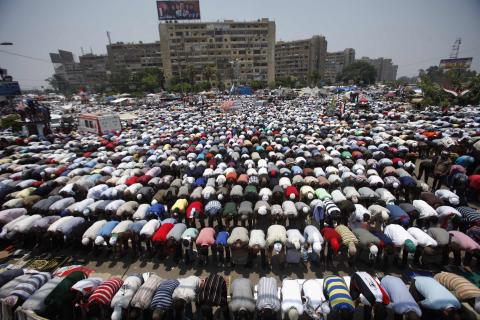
(414, 33)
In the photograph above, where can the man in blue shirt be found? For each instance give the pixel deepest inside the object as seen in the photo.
(436, 301)
(222, 251)
(402, 301)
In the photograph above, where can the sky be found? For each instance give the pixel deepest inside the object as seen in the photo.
(414, 33)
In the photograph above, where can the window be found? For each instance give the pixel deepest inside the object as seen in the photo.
(89, 124)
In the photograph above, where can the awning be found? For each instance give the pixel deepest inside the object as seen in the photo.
(128, 116)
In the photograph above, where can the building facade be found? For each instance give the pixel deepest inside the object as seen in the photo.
(134, 57)
(303, 59)
(65, 66)
(386, 70)
(336, 61)
(94, 70)
(237, 52)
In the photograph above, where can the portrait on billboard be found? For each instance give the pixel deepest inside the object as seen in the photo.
(178, 10)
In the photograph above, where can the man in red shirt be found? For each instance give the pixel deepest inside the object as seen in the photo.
(332, 243)
(473, 187)
(195, 212)
(159, 238)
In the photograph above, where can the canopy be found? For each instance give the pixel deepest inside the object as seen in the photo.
(119, 100)
(128, 116)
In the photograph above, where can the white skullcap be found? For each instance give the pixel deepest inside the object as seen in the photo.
(277, 247)
(113, 241)
(99, 240)
(385, 216)
(374, 250)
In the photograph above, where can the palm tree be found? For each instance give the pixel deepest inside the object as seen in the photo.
(314, 78)
(191, 74)
(208, 72)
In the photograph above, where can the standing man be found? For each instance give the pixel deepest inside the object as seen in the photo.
(441, 169)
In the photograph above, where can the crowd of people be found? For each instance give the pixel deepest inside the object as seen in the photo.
(282, 184)
(78, 293)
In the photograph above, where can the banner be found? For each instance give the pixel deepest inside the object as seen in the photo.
(9, 89)
(459, 63)
(178, 9)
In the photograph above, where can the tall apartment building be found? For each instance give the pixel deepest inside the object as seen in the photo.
(94, 70)
(336, 61)
(134, 57)
(386, 70)
(238, 51)
(65, 65)
(303, 59)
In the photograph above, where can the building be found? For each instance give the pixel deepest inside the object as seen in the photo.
(386, 70)
(94, 70)
(303, 59)
(335, 62)
(133, 57)
(65, 66)
(237, 52)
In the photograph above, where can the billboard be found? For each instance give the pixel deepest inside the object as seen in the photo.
(8, 89)
(456, 63)
(178, 9)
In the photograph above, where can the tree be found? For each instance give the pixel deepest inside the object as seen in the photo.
(404, 80)
(149, 82)
(433, 79)
(202, 86)
(10, 121)
(120, 79)
(190, 73)
(314, 78)
(208, 72)
(359, 72)
(257, 84)
(287, 82)
(432, 92)
(60, 84)
(161, 78)
(181, 87)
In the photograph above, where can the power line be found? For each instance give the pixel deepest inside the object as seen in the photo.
(24, 56)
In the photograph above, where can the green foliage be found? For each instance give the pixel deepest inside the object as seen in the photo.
(10, 121)
(256, 84)
(287, 82)
(202, 86)
(221, 85)
(432, 92)
(149, 80)
(359, 72)
(208, 72)
(314, 78)
(120, 80)
(190, 73)
(183, 87)
(433, 79)
(60, 84)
